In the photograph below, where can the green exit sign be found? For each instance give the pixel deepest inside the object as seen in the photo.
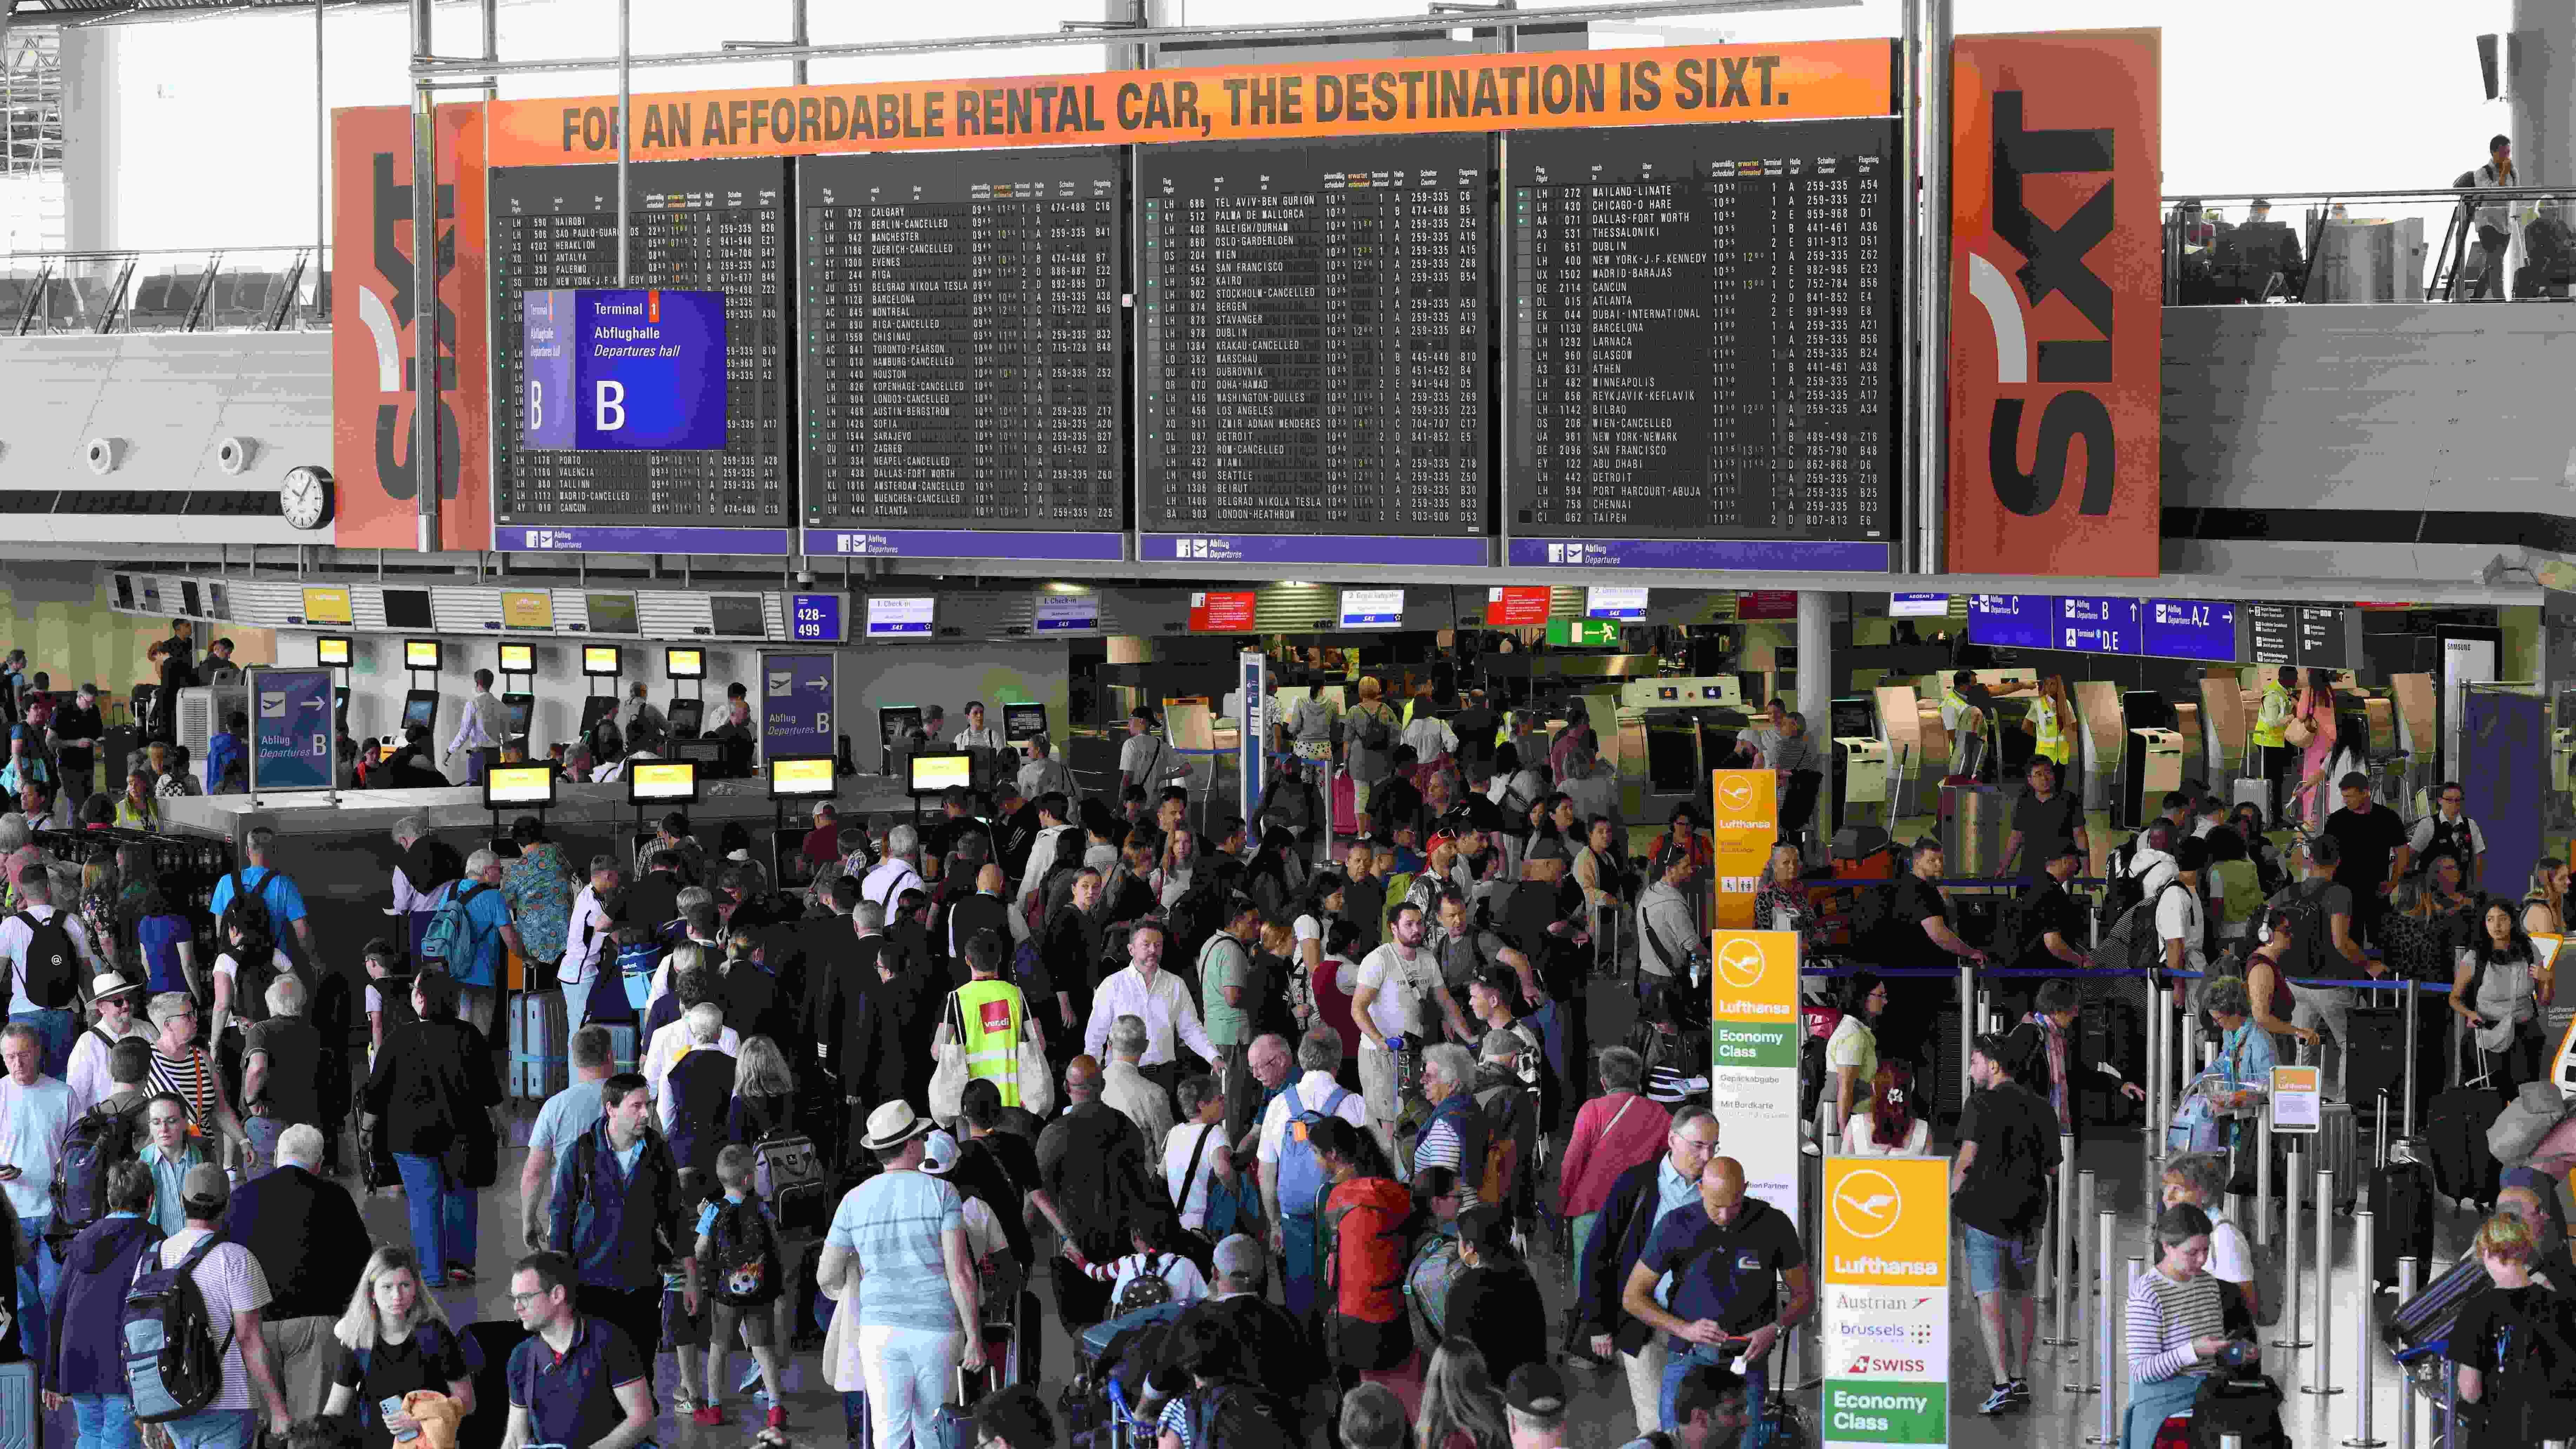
(1583, 633)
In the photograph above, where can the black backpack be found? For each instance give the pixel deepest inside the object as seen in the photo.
(251, 907)
(97, 1140)
(1232, 1415)
(53, 968)
(2310, 946)
(1372, 730)
(747, 1269)
(174, 1364)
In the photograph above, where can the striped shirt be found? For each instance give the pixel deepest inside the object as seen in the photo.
(2164, 1318)
(188, 1078)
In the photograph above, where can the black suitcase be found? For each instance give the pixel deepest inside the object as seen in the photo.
(2376, 1060)
(2456, 1127)
(2403, 1203)
(2426, 1318)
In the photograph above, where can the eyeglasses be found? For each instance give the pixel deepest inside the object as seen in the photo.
(522, 1300)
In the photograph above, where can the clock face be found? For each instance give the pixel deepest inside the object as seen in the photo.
(304, 499)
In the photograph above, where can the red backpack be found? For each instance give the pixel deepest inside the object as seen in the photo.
(1364, 1219)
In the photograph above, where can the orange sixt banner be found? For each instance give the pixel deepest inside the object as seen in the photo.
(1230, 103)
(2056, 304)
(373, 465)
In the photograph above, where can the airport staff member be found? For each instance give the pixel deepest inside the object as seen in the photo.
(485, 727)
(2271, 735)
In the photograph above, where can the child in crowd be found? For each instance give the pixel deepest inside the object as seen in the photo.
(738, 1241)
(388, 994)
(1155, 1257)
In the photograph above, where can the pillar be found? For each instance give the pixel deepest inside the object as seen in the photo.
(1816, 689)
(2540, 94)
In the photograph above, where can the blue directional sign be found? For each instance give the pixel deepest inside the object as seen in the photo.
(2011, 621)
(2093, 624)
(291, 729)
(817, 618)
(623, 368)
(2200, 629)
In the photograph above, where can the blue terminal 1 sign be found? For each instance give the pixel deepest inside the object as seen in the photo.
(623, 369)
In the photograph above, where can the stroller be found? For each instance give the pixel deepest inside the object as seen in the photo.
(1106, 1404)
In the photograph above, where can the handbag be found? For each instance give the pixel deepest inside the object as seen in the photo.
(2517, 1130)
(948, 1078)
(2198, 1126)
(2299, 731)
(1037, 1081)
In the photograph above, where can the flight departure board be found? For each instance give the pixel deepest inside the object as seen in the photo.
(964, 349)
(1312, 350)
(1702, 347)
(701, 225)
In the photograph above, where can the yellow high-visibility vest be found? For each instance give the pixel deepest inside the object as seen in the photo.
(2274, 718)
(989, 1019)
(2053, 741)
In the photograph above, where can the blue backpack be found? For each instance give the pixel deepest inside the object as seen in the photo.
(1301, 1173)
(453, 939)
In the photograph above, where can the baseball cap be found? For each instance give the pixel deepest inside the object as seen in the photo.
(205, 1191)
(1536, 1389)
(938, 1153)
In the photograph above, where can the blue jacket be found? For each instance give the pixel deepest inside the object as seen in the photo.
(618, 1227)
(84, 1354)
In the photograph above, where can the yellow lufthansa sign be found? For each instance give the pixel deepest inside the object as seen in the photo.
(326, 605)
(1742, 827)
(1754, 975)
(1887, 1221)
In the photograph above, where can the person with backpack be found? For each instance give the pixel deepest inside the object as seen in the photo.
(469, 933)
(740, 1264)
(1292, 1175)
(616, 1213)
(258, 878)
(243, 971)
(2502, 991)
(398, 1342)
(2511, 1345)
(1370, 732)
(84, 1359)
(1157, 1271)
(1364, 1229)
(2048, 1056)
(197, 1307)
(1999, 1188)
(49, 953)
(112, 1001)
(435, 1089)
(1495, 1303)
(2323, 947)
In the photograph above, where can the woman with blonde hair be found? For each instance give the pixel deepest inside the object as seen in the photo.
(399, 1344)
(1461, 1408)
(2489, 1340)
(2051, 721)
(764, 1092)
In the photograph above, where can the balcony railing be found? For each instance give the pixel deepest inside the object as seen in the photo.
(238, 289)
(2371, 246)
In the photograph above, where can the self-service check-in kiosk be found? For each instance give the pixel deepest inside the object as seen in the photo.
(519, 705)
(1672, 734)
(686, 713)
(420, 706)
(2151, 763)
(1863, 762)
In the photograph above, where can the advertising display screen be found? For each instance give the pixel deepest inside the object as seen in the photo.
(521, 786)
(801, 777)
(659, 782)
(599, 661)
(518, 659)
(331, 649)
(421, 654)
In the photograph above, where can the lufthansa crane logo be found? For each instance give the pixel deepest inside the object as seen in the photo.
(1742, 963)
(1866, 1204)
(1736, 794)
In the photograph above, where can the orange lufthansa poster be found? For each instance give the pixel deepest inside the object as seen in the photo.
(372, 315)
(2056, 304)
(1220, 103)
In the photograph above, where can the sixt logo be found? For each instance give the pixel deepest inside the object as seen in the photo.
(388, 310)
(2054, 264)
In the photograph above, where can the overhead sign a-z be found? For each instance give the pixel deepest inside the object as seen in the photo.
(2056, 301)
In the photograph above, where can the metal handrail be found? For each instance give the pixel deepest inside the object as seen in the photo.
(2457, 206)
(71, 291)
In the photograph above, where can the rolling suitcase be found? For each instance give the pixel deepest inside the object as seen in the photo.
(2402, 1204)
(2425, 1319)
(539, 1066)
(2338, 1147)
(2456, 1126)
(22, 1423)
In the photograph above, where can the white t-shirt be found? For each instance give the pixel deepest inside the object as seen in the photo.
(2179, 914)
(1308, 929)
(2422, 838)
(230, 969)
(1178, 1149)
(1857, 1141)
(1314, 1090)
(1397, 987)
(2230, 1261)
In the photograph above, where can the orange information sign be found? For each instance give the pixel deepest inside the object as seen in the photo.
(1220, 103)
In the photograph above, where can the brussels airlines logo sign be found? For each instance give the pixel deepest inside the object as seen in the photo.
(2056, 295)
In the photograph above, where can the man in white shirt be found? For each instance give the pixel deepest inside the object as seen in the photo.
(57, 1025)
(588, 939)
(1317, 1090)
(1396, 981)
(976, 735)
(1042, 773)
(484, 726)
(90, 1078)
(898, 872)
(1144, 990)
(1429, 734)
(35, 1112)
(2179, 913)
(1148, 761)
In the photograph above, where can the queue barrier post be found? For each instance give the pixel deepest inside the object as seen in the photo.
(2062, 1259)
(2158, 1110)
(2083, 1286)
(2365, 1232)
(2406, 1108)
(2290, 1239)
(2263, 1176)
(2406, 1280)
(2321, 1382)
(1967, 1024)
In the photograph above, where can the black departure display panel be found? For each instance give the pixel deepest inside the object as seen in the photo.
(1703, 331)
(964, 340)
(1313, 349)
(697, 225)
